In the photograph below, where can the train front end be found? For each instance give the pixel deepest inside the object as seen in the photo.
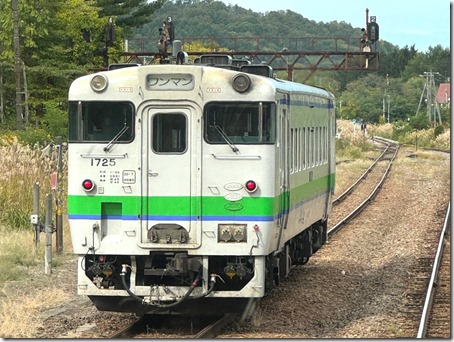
(172, 192)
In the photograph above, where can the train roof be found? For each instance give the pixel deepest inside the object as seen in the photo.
(289, 86)
(261, 71)
(255, 69)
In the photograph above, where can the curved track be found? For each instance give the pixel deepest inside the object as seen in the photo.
(359, 199)
(349, 190)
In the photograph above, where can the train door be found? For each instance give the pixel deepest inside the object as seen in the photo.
(284, 176)
(167, 179)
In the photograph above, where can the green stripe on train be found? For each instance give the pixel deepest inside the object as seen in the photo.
(179, 205)
(308, 190)
(171, 206)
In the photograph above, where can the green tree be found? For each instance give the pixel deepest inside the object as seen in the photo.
(53, 50)
(364, 98)
(393, 63)
(436, 59)
(130, 13)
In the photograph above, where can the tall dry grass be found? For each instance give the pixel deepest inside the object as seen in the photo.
(21, 167)
(424, 138)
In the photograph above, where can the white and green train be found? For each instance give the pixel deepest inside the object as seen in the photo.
(195, 182)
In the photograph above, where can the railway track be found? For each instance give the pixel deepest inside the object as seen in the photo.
(179, 326)
(427, 311)
(434, 310)
(165, 326)
(436, 314)
(350, 189)
(364, 191)
(428, 296)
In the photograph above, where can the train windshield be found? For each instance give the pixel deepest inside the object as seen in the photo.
(101, 121)
(240, 122)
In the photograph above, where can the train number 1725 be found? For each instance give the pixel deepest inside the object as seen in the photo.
(102, 162)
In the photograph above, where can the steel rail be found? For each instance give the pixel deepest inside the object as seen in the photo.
(130, 330)
(363, 205)
(431, 288)
(354, 185)
(212, 329)
(138, 327)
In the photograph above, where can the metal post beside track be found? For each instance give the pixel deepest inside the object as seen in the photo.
(49, 231)
(58, 216)
(35, 215)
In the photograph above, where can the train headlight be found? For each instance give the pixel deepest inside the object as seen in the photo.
(225, 234)
(99, 83)
(250, 186)
(232, 232)
(238, 234)
(88, 185)
(241, 83)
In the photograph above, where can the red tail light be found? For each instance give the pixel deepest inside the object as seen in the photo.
(251, 186)
(88, 184)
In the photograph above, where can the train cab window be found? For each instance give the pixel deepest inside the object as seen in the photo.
(101, 121)
(240, 122)
(169, 133)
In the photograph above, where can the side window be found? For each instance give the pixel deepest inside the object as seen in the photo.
(304, 148)
(169, 133)
(292, 151)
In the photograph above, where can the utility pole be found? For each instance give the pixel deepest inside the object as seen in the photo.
(386, 100)
(17, 65)
(433, 108)
(24, 75)
(389, 103)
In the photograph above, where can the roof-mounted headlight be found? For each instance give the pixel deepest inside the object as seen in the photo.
(241, 83)
(99, 83)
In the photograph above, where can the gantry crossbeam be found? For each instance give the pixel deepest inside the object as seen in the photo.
(344, 56)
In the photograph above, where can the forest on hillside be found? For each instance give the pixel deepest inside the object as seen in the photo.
(62, 40)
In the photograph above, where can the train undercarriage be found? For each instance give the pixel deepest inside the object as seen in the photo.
(163, 271)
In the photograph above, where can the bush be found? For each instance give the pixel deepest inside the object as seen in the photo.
(438, 130)
(33, 136)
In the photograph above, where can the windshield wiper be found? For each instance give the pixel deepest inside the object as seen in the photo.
(115, 138)
(226, 138)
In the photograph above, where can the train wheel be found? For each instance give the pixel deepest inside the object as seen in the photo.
(276, 275)
(271, 273)
(304, 260)
(317, 237)
(325, 231)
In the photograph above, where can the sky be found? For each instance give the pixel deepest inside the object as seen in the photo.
(401, 22)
